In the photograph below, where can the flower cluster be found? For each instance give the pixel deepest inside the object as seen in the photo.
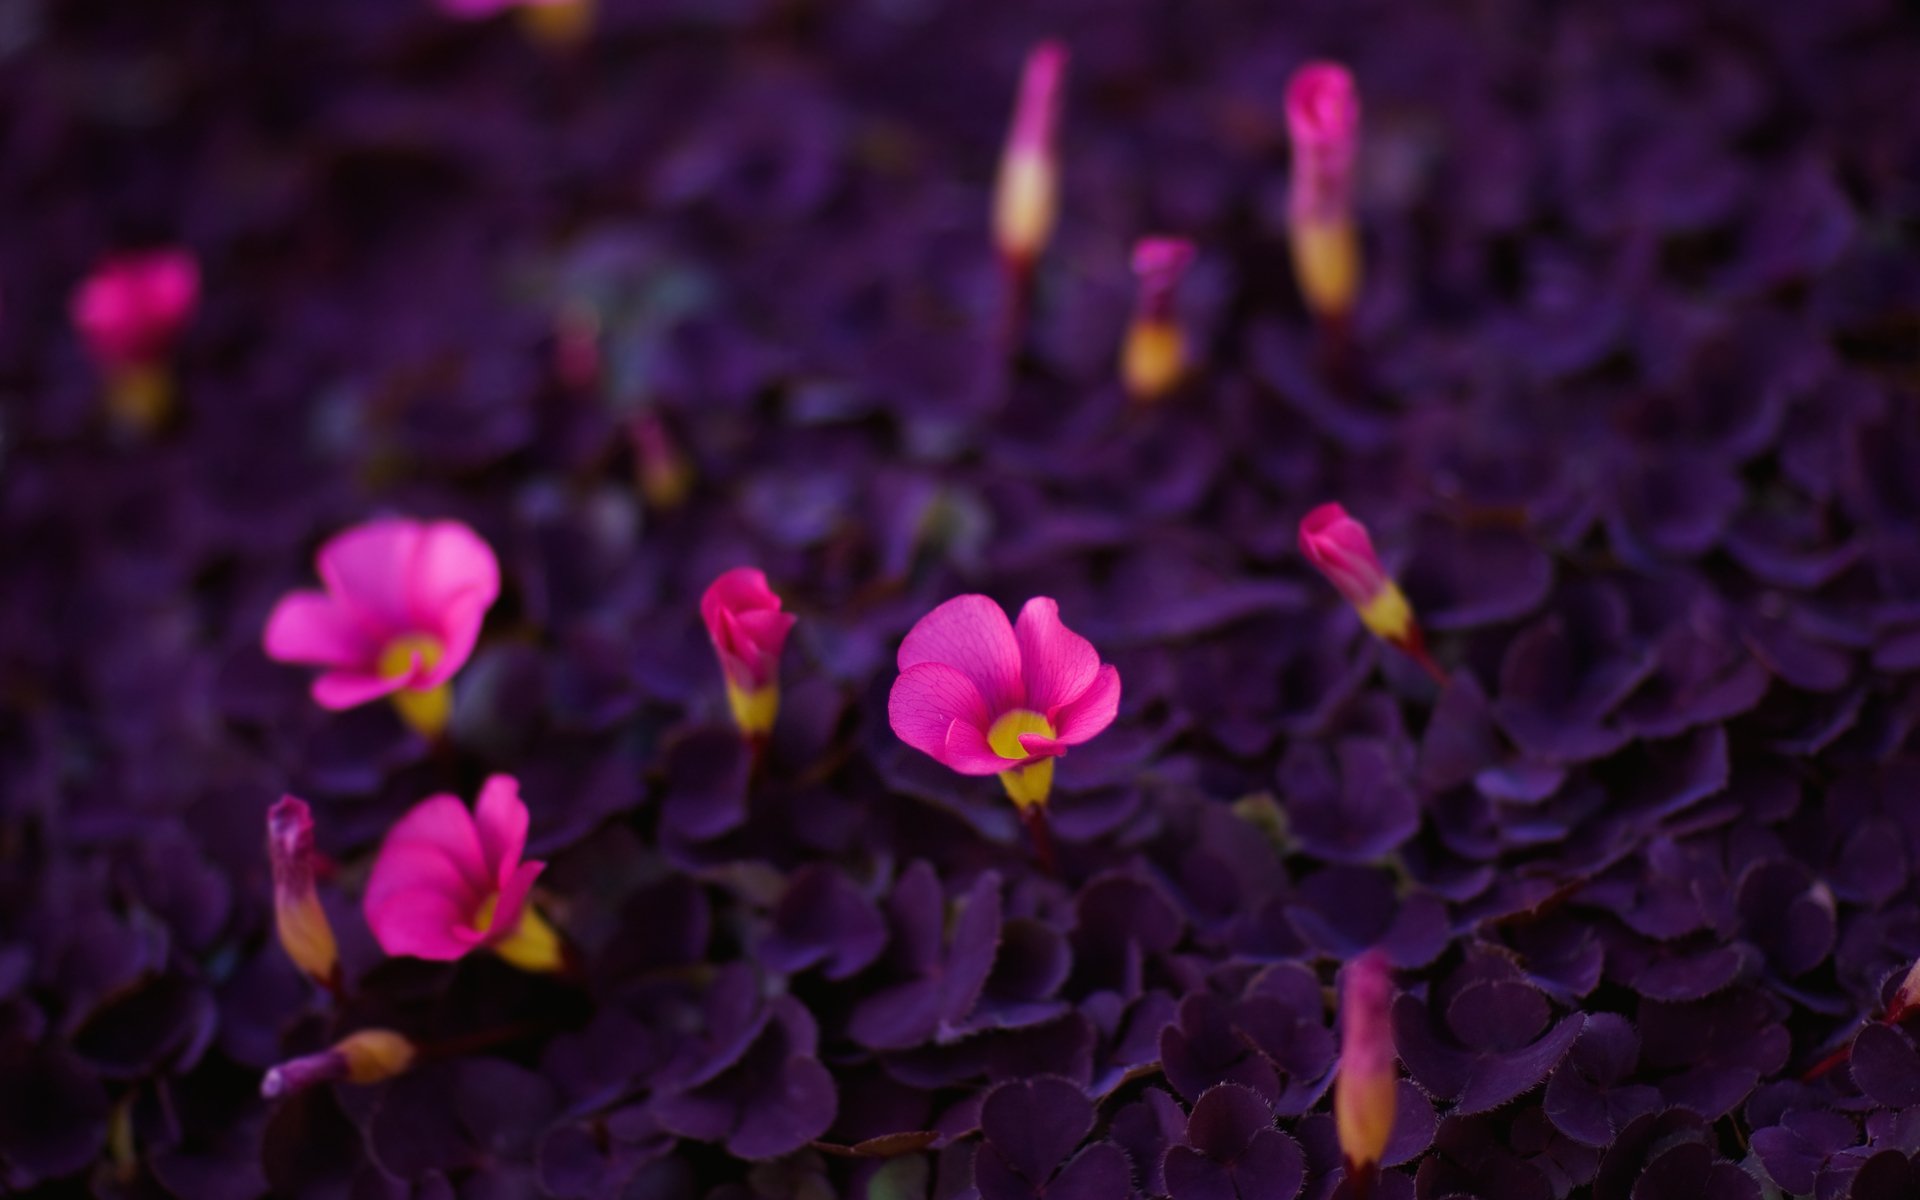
(573, 645)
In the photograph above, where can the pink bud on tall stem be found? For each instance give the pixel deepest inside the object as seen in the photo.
(1323, 125)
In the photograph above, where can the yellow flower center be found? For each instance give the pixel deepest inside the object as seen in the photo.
(1030, 785)
(532, 946)
(425, 709)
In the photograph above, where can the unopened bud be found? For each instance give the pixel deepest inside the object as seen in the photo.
(1365, 1089)
(305, 933)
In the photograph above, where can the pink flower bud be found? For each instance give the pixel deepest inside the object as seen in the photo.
(133, 306)
(368, 1056)
(1026, 195)
(1364, 1091)
(1323, 123)
(748, 630)
(1154, 357)
(305, 933)
(1339, 546)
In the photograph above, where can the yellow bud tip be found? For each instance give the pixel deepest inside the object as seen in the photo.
(1028, 786)
(140, 398)
(1388, 616)
(754, 709)
(375, 1054)
(534, 945)
(1153, 360)
(1363, 1113)
(1024, 204)
(307, 937)
(1326, 264)
(557, 24)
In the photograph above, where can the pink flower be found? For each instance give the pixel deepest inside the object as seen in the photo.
(305, 933)
(447, 881)
(748, 629)
(985, 697)
(1323, 123)
(133, 306)
(1026, 194)
(402, 608)
(1364, 1091)
(1339, 546)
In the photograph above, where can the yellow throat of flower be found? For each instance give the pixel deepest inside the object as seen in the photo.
(1030, 785)
(426, 710)
(532, 946)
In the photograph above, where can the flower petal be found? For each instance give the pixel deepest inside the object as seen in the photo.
(514, 888)
(930, 697)
(967, 751)
(350, 689)
(443, 823)
(452, 579)
(368, 571)
(1093, 711)
(308, 627)
(1056, 663)
(500, 820)
(972, 635)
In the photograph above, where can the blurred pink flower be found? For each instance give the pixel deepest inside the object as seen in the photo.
(985, 697)
(1026, 193)
(133, 306)
(402, 609)
(447, 881)
(1323, 123)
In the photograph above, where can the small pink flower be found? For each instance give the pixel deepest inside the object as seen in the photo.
(448, 880)
(402, 608)
(985, 697)
(133, 306)
(302, 924)
(1364, 1091)
(1026, 192)
(748, 630)
(1323, 123)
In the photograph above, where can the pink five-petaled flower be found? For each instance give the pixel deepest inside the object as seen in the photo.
(1026, 193)
(1323, 124)
(1339, 546)
(448, 880)
(1154, 356)
(1364, 1091)
(305, 933)
(989, 698)
(129, 312)
(402, 608)
(748, 629)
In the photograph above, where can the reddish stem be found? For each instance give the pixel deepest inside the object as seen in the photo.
(1828, 1063)
(1041, 834)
